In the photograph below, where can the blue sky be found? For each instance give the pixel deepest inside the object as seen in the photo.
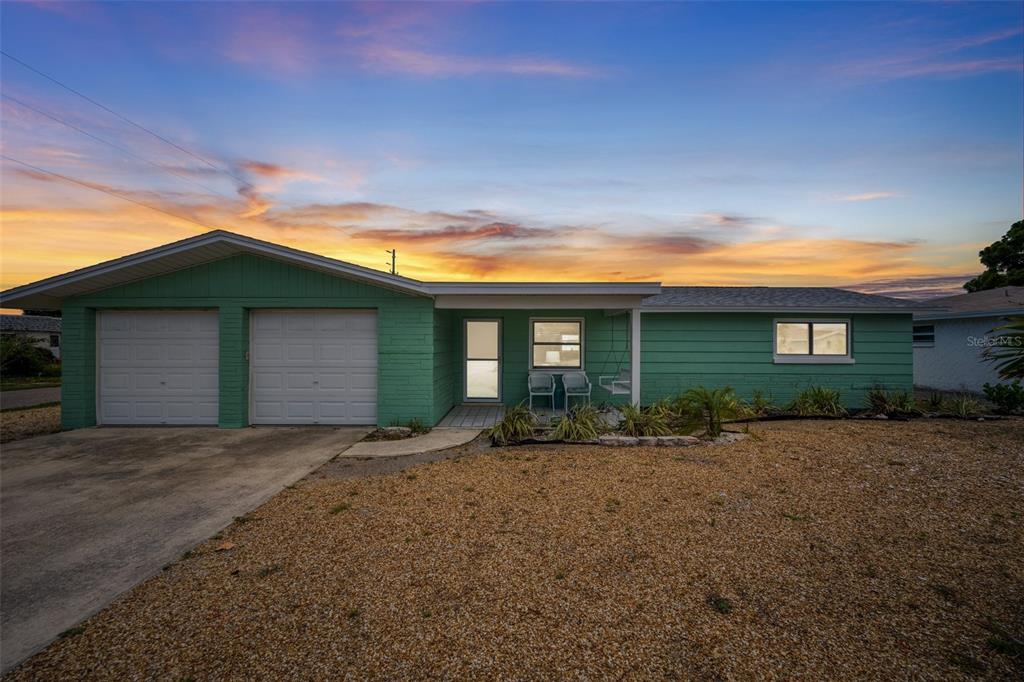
(718, 143)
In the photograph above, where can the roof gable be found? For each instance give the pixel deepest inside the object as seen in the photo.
(205, 248)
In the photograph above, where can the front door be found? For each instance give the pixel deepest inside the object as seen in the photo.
(483, 360)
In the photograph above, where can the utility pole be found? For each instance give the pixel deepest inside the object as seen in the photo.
(394, 255)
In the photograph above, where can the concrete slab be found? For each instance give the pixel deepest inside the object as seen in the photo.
(28, 397)
(437, 439)
(87, 514)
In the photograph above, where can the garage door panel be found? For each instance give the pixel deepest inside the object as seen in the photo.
(158, 367)
(314, 367)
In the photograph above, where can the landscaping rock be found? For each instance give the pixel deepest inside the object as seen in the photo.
(397, 431)
(618, 441)
(649, 440)
(677, 441)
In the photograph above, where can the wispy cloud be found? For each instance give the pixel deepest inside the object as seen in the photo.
(940, 59)
(868, 196)
(397, 59)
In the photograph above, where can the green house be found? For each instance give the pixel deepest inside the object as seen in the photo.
(223, 329)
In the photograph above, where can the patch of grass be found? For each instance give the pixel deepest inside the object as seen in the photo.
(417, 426)
(720, 604)
(896, 462)
(338, 508)
(33, 407)
(268, 570)
(559, 575)
(795, 517)
(72, 632)
(410, 477)
(612, 505)
(353, 613)
(187, 555)
(246, 518)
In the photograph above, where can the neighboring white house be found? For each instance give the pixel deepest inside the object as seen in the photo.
(948, 343)
(44, 331)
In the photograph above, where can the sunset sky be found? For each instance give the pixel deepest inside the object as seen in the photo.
(789, 144)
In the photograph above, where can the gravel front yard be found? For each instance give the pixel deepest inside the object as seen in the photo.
(34, 421)
(826, 549)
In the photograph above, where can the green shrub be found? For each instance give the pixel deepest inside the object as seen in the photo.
(582, 422)
(517, 424)
(417, 426)
(639, 421)
(880, 401)
(713, 407)
(759, 404)
(1006, 397)
(963, 405)
(935, 401)
(817, 401)
(19, 357)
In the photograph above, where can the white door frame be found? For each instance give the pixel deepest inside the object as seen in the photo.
(466, 358)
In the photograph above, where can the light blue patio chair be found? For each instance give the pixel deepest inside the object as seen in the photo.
(541, 384)
(576, 385)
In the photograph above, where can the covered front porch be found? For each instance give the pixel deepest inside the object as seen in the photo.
(484, 358)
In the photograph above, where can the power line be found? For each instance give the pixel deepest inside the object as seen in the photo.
(124, 118)
(105, 190)
(115, 146)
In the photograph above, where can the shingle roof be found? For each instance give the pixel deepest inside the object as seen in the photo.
(1002, 301)
(29, 323)
(774, 298)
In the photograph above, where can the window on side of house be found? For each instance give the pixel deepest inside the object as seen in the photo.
(54, 341)
(812, 341)
(556, 344)
(924, 335)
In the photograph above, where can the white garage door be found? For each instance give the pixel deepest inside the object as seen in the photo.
(314, 367)
(158, 367)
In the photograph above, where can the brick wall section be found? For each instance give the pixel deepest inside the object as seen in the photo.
(78, 367)
(234, 286)
(234, 367)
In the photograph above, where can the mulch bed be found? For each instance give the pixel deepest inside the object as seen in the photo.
(33, 421)
(820, 549)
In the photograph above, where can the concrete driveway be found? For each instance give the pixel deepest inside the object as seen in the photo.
(87, 514)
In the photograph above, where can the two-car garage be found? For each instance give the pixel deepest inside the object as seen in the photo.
(306, 366)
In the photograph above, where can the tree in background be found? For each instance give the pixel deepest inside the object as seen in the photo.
(1003, 261)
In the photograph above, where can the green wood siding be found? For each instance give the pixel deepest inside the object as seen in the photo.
(447, 374)
(682, 350)
(78, 367)
(236, 285)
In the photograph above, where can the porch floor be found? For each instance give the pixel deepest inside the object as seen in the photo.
(484, 415)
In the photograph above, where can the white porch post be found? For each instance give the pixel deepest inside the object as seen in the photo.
(634, 351)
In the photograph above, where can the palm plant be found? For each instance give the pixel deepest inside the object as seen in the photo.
(964, 406)
(1007, 351)
(714, 406)
(517, 424)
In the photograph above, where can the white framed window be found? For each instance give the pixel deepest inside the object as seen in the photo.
(924, 335)
(812, 341)
(556, 344)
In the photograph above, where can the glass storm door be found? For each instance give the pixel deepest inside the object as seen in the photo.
(483, 360)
